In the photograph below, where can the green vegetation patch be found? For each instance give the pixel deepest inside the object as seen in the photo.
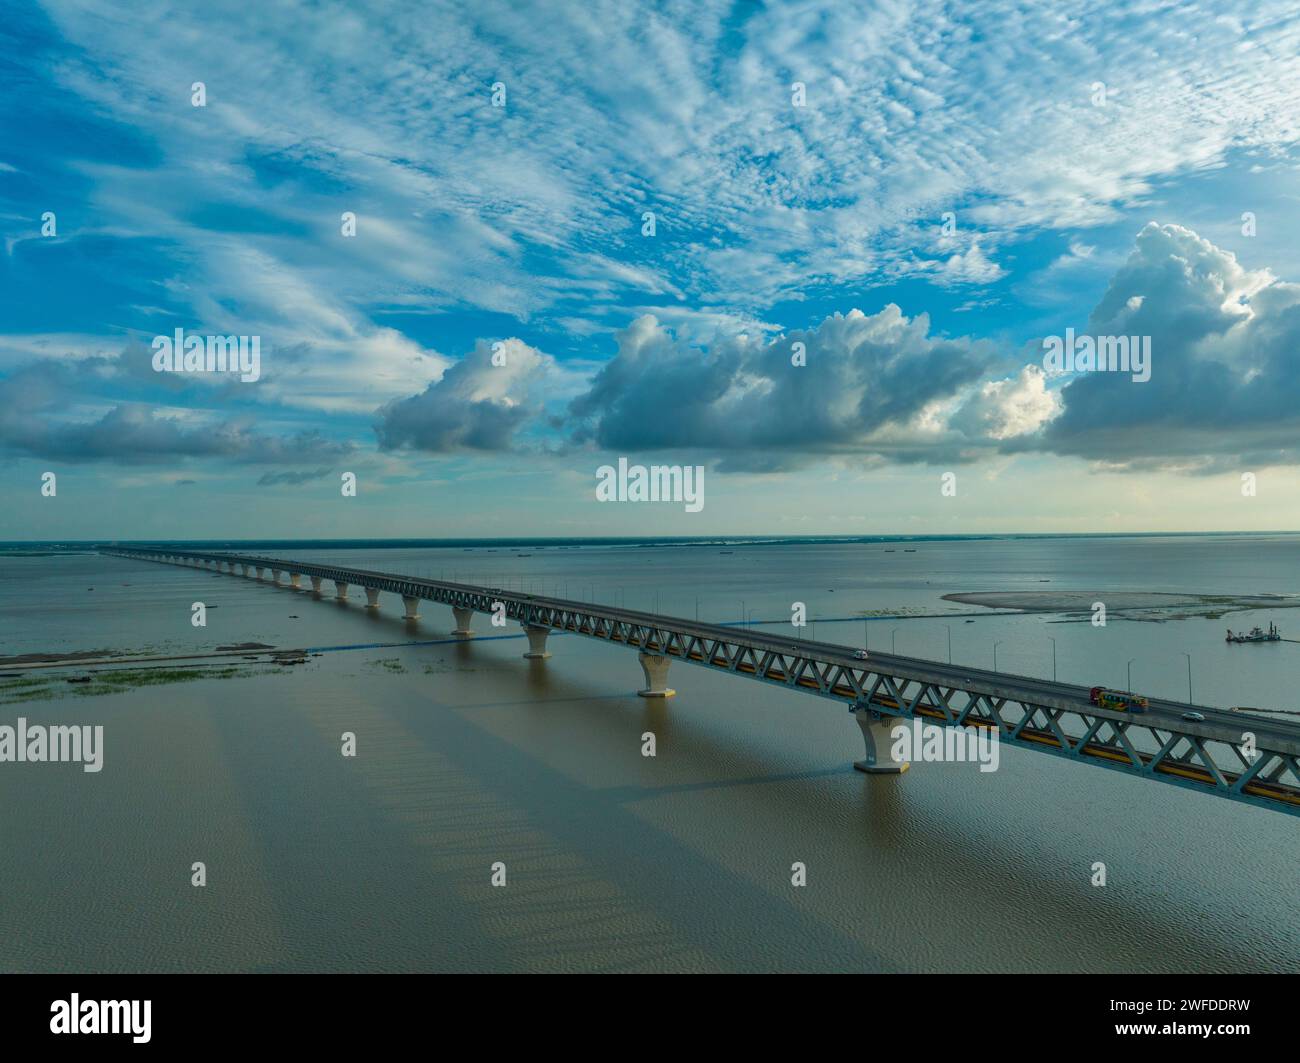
(44, 687)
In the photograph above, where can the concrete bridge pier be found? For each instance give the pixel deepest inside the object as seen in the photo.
(656, 676)
(372, 598)
(536, 641)
(315, 585)
(463, 617)
(260, 570)
(340, 590)
(412, 608)
(275, 576)
(294, 580)
(875, 734)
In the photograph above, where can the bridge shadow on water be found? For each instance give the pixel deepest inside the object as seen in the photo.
(389, 871)
(896, 833)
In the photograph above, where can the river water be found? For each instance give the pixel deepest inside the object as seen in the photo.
(469, 756)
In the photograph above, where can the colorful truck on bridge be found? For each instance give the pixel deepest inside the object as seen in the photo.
(1117, 700)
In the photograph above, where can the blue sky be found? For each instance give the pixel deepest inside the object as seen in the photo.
(1097, 167)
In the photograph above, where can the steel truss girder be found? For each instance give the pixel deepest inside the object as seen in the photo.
(1083, 735)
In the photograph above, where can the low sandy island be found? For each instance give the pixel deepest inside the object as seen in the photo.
(1146, 605)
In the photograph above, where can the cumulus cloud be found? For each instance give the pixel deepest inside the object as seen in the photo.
(1012, 408)
(878, 386)
(1225, 347)
(474, 405)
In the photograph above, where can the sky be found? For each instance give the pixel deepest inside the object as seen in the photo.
(817, 249)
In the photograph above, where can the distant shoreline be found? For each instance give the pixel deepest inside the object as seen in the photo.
(55, 547)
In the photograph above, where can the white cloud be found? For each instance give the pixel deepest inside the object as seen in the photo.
(613, 107)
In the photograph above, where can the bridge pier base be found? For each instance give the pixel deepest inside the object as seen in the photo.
(294, 580)
(372, 597)
(275, 576)
(412, 608)
(463, 617)
(536, 641)
(875, 734)
(340, 591)
(315, 585)
(260, 570)
(656, 676)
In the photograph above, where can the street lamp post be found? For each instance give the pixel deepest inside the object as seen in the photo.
(1053, 642)
(949, 627)
(1129, 680)
(891, 640)
(995, 654)
(1189, 677)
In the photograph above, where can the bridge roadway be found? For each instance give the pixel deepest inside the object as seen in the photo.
(1243, 757)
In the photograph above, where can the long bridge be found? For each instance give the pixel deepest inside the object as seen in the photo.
(1242, 757)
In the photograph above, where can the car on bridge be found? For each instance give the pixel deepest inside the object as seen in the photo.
(1117, 700)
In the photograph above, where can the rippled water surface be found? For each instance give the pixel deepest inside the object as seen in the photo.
(469, 755)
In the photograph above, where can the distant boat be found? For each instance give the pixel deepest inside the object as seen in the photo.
(1256, 634)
